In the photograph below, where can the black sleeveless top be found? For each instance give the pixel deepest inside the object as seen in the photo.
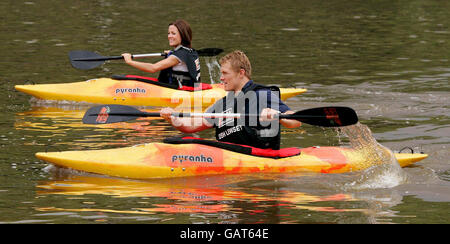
(183, 78)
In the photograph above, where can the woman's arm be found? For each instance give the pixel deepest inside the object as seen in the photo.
(149, 67)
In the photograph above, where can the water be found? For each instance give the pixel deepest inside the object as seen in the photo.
(385, 171)
(213, 69)
(387, 60)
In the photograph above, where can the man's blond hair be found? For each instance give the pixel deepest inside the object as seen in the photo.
(238, 60)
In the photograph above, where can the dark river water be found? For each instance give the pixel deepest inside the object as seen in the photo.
(388, 60)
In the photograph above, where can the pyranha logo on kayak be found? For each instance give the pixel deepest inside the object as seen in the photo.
(130, 90)
(190, 158)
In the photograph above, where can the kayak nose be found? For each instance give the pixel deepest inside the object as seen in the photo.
(24, 88)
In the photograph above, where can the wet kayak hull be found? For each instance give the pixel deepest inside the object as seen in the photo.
(131, 92)
(160, 160)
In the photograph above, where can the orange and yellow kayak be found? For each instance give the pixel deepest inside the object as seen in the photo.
(162, 160)
(132, 92)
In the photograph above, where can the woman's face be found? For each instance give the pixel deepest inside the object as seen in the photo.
(174, 36)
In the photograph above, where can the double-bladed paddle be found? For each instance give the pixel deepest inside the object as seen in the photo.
(81, 59)
(322, 116)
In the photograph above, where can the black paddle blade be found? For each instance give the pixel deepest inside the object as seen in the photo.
(80, 59)
(326, 116)
(209, 52)
(112, 113)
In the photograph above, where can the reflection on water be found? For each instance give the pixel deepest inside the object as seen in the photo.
(219, 195)
(305, 198)
(54, 124)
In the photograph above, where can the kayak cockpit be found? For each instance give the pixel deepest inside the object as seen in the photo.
(244, 149)
(154, 81)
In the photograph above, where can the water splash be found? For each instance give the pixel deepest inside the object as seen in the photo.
(385, 171)
(213, 69)
(376, 177)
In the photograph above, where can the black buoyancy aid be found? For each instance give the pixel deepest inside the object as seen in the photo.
(247, 131)
(183, 78)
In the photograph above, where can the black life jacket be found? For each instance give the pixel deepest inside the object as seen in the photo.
(182, 78)
(249, 130)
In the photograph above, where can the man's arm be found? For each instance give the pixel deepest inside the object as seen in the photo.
(269, 114)
(290, 123)
(185, 125)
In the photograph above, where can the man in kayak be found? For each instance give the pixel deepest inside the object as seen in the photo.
(244, 97)
(182, 65)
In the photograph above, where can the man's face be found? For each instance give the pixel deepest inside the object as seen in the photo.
(229, 77)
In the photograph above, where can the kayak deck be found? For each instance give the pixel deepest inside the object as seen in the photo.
(160, 160)
(132, 92)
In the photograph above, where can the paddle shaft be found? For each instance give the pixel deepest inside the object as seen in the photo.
(323, 116)
(216, 115)
(120, 57)
(81, 59)
(97, 57)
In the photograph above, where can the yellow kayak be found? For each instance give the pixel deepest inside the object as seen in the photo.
(163, 160)
(133, 92)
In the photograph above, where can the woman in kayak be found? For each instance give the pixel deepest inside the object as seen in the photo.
(244, 97)
(182, 64)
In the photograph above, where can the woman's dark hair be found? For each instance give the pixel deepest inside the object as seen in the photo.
(185, 32)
